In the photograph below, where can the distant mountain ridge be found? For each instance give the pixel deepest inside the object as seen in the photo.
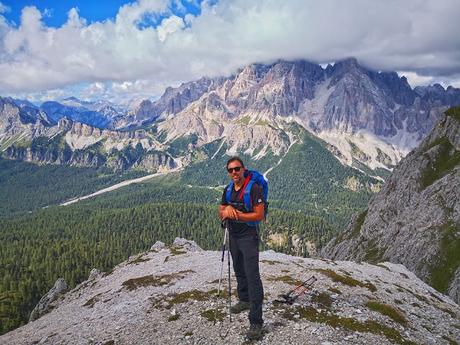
(98, 114)
(367, 118)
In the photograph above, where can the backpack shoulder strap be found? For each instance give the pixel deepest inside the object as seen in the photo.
(228, 194)
(247, 196)
(243, 189)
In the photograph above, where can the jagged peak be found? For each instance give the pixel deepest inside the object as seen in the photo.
(438, 87)
(345, 65)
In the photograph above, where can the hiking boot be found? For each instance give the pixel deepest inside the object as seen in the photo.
(255, 332)
(239, 307)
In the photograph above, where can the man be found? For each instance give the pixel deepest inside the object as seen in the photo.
(244, 245)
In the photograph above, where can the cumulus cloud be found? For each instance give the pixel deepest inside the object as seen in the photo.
(168, 26)
(419, 37)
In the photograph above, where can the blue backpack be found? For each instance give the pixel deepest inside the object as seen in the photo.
(252, 177)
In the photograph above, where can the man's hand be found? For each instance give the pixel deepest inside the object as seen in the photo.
(229, 212)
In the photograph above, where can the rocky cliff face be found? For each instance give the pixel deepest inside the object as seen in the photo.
(371, 117)
(168, 295)
(82, 145)
(172, 101)
(415, 219)
(21, 121)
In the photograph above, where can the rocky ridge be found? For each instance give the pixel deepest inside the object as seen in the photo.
(99, 114)
(168, 296)
(21, 121)
(171, 102)
(366, 117)
(415, 219)
(79, 144)
(373, 117)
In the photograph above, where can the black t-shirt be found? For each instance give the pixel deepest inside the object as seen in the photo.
(237, 228)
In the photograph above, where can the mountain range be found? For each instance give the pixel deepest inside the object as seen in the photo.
(364, 117)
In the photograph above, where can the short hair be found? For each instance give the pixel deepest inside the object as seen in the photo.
(233, 159)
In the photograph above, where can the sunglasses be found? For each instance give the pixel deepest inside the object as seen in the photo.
(235, 169)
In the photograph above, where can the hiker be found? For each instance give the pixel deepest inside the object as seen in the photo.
(244, 243)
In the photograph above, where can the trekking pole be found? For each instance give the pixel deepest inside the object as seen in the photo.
(224, 245)
(299, 290)
(229, 277)
(221, 272)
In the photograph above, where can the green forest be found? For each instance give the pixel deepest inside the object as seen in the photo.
(26, 187)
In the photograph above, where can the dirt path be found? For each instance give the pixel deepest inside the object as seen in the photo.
(115, 186)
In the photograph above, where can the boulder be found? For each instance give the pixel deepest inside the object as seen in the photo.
(45, 305)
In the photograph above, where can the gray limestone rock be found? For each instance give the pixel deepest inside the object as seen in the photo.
(158, 246)
(46, 303)
(415, 219)
(94, 274)
(171, 299)
(188, 245)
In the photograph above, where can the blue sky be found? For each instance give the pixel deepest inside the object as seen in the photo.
(120, 50)
(55, 12)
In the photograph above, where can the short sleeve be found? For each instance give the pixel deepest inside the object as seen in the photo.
(257, 196)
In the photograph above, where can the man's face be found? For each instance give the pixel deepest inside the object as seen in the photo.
(235, 171)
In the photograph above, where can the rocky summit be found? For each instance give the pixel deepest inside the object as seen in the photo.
(168, 295)
(415, 219)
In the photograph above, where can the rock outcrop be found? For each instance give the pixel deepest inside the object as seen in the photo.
(20, 121)
(188, 245)
(48, 301)
(169, 296)
(415, 219)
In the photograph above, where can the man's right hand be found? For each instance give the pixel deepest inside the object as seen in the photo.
(229, 213)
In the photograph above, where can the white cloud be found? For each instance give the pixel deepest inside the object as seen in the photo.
(168, 26)
(416, 36)
(415, 80)
(94, 89)
(455, 83)
(48, 12)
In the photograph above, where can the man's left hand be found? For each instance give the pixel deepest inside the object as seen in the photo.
(231, 213)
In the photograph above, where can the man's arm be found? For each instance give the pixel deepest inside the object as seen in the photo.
(258, 211)
(256, 215)
(228, 212)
